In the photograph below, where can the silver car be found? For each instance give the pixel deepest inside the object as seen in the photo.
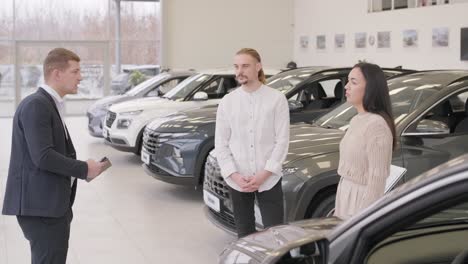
(155, 86)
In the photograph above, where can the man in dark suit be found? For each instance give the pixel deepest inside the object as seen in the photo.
(43, 172)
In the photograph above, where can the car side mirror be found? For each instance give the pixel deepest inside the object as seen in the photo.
(430, 128)
(312, 252)
(200, 96)
(295, 106)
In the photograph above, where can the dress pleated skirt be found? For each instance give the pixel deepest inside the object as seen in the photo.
(349, 198)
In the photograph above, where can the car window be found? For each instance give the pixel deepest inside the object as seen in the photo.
(218, 87)
(450, 112)
(438, 238)
(288, 80)
(402, 97)
(167, 86)
(146, 84)
(213, 87)
(185, 88)
(329, 86)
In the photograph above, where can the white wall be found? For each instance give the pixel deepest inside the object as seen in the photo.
(330, 17)
(206, 33)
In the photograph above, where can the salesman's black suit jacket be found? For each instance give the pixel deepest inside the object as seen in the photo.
(42, 161)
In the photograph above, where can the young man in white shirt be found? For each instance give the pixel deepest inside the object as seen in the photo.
(251, 142)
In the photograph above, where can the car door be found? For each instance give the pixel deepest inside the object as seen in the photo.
(427, 225)
(317, 97)
(422, 151)
(437, 238)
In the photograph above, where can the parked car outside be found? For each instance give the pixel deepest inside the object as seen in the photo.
(423, 221)
(125, 122)
(153, 87)
(430, 113)
(311, 91)
(123, 82)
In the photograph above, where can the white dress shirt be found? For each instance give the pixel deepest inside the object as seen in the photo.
(252, 134)
(60, 103)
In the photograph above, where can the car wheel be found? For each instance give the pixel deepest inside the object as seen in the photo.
(323, 207)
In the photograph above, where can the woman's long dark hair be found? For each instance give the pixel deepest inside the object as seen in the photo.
(376, 96)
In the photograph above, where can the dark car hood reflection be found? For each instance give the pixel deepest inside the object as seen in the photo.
(307, 140)
(276, 241)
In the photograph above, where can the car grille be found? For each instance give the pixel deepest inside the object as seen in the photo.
(224, 218)
(157, 170)
(110, 118)
(153, 140)
(214, 182)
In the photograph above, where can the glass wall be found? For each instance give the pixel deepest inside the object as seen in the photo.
(7, 79)
(31, 28)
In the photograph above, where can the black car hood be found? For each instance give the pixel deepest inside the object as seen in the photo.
(307, 140)
(269, 245)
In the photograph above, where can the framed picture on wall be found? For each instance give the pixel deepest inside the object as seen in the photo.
(339, 41)
(321, 42)
(360, 40)
(410, 38)
(304, 42)
(440, 37)
(383, 40)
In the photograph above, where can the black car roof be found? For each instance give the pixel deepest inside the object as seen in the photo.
(440, 77)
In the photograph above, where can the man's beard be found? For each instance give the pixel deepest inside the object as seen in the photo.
(243, 81)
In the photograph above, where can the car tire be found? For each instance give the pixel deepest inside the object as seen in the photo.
(323, 207)
(139, 143)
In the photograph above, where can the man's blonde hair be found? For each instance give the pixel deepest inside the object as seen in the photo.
(254, 54)
(58, 59)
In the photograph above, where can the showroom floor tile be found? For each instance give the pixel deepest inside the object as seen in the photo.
(125, 216)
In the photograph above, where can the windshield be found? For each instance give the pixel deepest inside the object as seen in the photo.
(148, 83)
(404, 95)
(286, 81)
(183, 89)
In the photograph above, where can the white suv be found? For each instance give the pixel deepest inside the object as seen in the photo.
(125, 122)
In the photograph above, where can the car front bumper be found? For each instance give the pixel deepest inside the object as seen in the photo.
(95, 121)
(169, 176)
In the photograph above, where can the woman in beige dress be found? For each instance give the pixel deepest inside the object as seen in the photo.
(366, 149)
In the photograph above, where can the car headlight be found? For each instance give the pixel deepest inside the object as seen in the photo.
(178, 135)
(124, 123)
(131, 113)
(289, 170)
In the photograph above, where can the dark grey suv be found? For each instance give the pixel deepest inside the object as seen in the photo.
(179, 147)
(423, 221)
(431, 117)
